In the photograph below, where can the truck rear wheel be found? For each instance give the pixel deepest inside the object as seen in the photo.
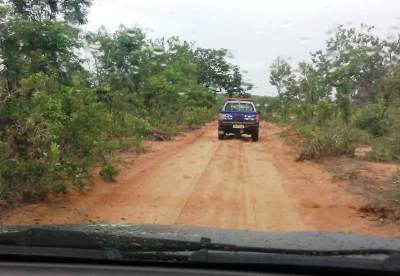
(221, 136)
(254, 135)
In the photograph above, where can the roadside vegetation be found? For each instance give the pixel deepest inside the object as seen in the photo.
(70, 99)
(345, 97)
(345, 102)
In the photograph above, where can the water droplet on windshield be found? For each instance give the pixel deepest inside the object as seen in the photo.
(276, 37)
(96, 45)
(330, 32)
(391, 37)
(371, 53)
(260, 32)
(332, 70)
(286, 24)
(158, 53)
(305, 41)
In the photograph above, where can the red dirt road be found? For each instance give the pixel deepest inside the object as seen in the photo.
(198, 180)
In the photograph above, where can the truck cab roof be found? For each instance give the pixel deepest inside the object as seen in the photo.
(239, 105)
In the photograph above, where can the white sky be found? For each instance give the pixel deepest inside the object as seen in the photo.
(255, 31)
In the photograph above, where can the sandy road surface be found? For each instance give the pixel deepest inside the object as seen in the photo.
(200, 181)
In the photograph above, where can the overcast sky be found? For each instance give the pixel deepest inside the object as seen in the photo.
(255, 31)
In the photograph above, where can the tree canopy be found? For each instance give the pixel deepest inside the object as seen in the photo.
(69, 99)
(350, 86)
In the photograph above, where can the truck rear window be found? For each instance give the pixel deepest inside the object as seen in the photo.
(240, 107)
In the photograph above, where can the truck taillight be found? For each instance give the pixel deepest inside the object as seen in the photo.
(257, 117)
(221, 117)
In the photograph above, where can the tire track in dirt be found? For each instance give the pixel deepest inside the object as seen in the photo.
(198, 180)
(239, 191)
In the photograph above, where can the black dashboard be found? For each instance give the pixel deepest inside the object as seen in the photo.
(30, 268)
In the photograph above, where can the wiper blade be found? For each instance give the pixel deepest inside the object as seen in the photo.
(44, 237)
(388, 263)
(41, 242)
(49, 238)
(235, 259)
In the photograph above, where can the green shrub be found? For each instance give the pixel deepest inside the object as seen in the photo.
(58, 120)
(197, 116)
(385, 149)
(373, 118)
(324, 112)
(332, 139)
(132, 144)
(108, 172)
(395, 148)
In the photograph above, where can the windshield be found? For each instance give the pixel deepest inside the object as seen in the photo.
(257, 116)
(239, 106)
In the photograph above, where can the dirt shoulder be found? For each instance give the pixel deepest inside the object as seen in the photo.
(378, 183)
(197, 180)
(332, 190)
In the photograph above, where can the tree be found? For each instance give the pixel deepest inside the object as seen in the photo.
(357, 63)
(311, 88)
(219, 75)
(34, 39)
(234, 85)
(58, 117)
(73, 11)
(122, 57)
(31, 47)
(214, 70)
(281, 77)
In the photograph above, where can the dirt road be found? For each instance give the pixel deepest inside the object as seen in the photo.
(200, 181)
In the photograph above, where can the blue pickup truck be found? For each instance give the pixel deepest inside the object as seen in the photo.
(238, 116)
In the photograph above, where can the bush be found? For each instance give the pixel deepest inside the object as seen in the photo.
(373, 118)
(332, 139)
(385, 149)
(324, 112)
(109, 172)
(196, 116)
(376, 125)
(58, 120)
(52, 140)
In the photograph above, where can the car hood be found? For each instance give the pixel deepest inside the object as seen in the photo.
(319, 241)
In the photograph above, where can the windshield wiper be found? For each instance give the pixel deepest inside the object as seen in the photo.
(66, 244)
(364, 262)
